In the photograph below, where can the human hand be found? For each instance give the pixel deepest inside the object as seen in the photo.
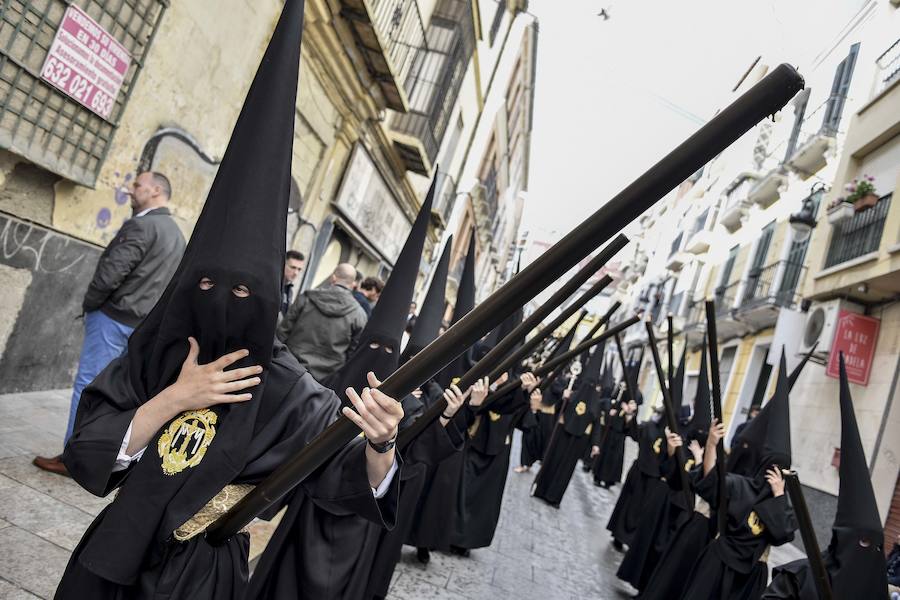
(567, 394)
(479, 391)
(377, 414)
(500, 381)
(455, 398)
(716, 433)
(696, 451)
(535, 400)
(201, 386)
(417, 393)
(673, 441)
(776, 480)
(595, 450)
(529, 381)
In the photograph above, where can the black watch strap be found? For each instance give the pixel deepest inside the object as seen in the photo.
(383, 447)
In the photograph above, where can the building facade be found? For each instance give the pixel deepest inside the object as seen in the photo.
(378, 106)
(727, 234)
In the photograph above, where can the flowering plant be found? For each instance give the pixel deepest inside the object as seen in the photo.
(837, 202)
(860, 188)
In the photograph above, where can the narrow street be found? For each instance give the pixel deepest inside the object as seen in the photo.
(538, 552)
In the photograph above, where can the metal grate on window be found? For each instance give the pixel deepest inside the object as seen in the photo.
(40, 122)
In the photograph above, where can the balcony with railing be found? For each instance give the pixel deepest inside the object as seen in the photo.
(768, 290)
(677, 258)
(859, 235)
(389, 33)
(888, 68)
(433, 83)
(445, 196)
(727, 325)
(817, 142)
(737, 203)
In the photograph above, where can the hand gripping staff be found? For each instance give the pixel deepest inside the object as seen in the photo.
(763, 99)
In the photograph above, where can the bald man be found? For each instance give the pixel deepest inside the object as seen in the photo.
(321, 326)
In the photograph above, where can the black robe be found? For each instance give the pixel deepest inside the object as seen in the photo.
(315, 553)
(442, 488)
(685, 545)
(435, 445)
(663, 512)
(608, 464)
(294, 408)
(734, 563)
(485, 468)
(536, 435)
(644, 471)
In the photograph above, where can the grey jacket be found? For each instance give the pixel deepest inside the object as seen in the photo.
(135, 268)
(321, 328)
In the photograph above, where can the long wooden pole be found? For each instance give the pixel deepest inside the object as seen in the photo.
(712, 344)
(808, 534)
(765, 98)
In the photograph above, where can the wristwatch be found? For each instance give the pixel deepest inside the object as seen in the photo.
(383, 447)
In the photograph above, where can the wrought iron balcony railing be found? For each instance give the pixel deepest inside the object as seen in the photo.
(774, 284)
(859, 235)
(389, 33)
(724, 297)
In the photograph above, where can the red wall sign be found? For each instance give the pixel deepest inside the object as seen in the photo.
(856, 336)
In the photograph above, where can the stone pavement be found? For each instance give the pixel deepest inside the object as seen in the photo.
(538, 552)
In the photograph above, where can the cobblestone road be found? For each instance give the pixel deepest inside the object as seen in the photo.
(538, 552)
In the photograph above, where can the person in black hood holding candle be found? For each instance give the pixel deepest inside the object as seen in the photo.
(204, 404)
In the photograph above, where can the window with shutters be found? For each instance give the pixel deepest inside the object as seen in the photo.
(839, 88)
(44, 124)
(725, 290)
(759, 261)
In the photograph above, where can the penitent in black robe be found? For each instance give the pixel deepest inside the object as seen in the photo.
(485, 469)
(685, 545)
(293, 409)
(663, 514)
(644, 473)
(536, 436)
(442, 489)
(432, 447)
(611, 441)
(316, 553)
(734, 563)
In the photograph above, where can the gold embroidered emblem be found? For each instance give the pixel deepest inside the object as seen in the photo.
(688, 464)
(756, 526)
(184, 442)
(657, 445)
(455, 380)
(494, 416)
(580, 408)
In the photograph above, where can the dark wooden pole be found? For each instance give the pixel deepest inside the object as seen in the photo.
(712, 343)
(808, 533)
(765, 98)
(670, 418)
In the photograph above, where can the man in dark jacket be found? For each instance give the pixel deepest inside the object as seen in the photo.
(130, 276)
(367, 293)
(322, 325)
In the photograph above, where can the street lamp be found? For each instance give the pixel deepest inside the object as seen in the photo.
(804, 222)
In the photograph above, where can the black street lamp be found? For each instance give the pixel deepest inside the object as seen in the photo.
(804, 222)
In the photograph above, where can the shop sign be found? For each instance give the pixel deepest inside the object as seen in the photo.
(856, 337)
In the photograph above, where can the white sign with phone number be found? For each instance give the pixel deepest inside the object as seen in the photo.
(86, 62)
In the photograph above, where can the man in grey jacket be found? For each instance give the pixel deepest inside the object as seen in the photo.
(321, 326)
(130, 277)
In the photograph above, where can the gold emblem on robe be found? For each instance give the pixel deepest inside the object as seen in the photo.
(688, 464)
(580, 408)
(756, 526)
(494, 416)
(657, 445)
(184, 442)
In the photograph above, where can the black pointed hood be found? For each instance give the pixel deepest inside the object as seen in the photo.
(855, 557)
(767, 438)
(238, 247)
(431, 315)
(465, 302)
(607, 381)
(698, 427)
(564, 345)
(795, 374)
(378, 346)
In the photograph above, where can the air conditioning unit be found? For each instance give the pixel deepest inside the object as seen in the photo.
(821, 324)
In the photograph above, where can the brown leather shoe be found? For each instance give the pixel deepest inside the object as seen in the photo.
(54, 465)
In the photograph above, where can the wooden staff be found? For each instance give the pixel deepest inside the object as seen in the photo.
(763, 99)
(670, 417)
(712, 344)
(808, 533)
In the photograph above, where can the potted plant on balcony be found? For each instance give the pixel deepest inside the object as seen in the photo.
(839, 210)
(861, 192)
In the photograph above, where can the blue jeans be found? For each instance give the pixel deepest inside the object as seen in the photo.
(104, 340)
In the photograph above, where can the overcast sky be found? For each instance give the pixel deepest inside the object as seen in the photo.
(614, 96)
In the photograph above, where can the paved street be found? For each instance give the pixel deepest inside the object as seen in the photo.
(539, 552)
